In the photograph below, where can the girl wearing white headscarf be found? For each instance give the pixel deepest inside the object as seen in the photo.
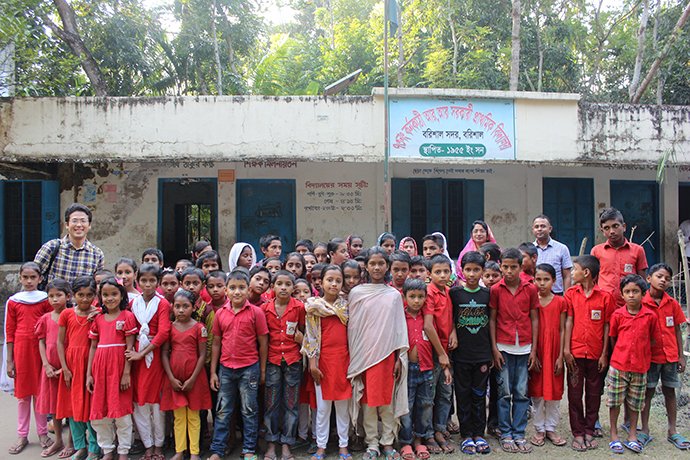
(238, 256)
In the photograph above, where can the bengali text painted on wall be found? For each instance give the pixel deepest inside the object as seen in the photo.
(458, 128)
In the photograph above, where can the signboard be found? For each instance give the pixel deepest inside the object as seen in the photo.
(460, 128)
(226, 175)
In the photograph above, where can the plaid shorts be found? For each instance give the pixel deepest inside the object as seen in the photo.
(624, 385)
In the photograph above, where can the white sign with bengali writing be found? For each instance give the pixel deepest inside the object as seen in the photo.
(460, 128)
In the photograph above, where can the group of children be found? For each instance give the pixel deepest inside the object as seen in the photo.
(379, 334)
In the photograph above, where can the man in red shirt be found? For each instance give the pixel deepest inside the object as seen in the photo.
(618, 257)
(240, 342)
(586, 348)
(285, 319)
(634, 329)
(514, 327)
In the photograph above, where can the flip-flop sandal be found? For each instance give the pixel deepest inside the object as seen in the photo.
(467, 446)
(508, 445)
(17, 447)
(76, 456)
(269, 457)
(679, 441)
(555, 439)
(522, 446)
(47, 452)
(643, 439)
(344, 456)
(616, 447)
(634, 446)
(482, 446)
(432, 446)
(422, 452)
(47, 443)
(589, 443)
(318, 457)
(538, 440)
(369, 454)
(407, 453)
(391, 454)
(578, 446)
(453, 427)
(312, 449)
(447, 447)
(66, 452)
(495, 432)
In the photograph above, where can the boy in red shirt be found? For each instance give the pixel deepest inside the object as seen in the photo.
(514, 327)
(438, 326)
(285, 319)
(668, 359)
(400, 268)
(240, 342)
(634, 329)
(586, 348)
(618, 257)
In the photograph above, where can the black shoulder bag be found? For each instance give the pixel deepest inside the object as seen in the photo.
(44, 282)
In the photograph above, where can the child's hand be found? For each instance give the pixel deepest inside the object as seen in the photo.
(570, 362)
(125, 381)
(262, 379)
(11, 373)
(176, 384)
(452, 341)
(92, 315)
(449, 377)
(132, 355)
(558, 370)
(343, 295)
(213, 382)
(498, 360)
(444, 361)
(299, 337)
(188, 385)
(316, 374)
(68, 377)
(89, 383)
(50, 371)
(602, 364)
(533, 363)
(681, 363)
(397, 369)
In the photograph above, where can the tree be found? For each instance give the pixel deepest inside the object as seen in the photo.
(515, 46)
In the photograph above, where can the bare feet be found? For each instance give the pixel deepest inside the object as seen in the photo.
(179, 456)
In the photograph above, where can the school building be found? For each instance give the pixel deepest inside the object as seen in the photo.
(166, 171)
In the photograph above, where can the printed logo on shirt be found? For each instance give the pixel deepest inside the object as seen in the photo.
(669, 321)
(119, 325)
(596, 315)
(628, 268)
(484, 369)
(291, 327)
(424, 336)
(204, 332)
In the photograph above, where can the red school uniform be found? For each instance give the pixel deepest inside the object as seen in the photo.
(281, 331)
(670, 314)
(148, 380)
(75, 401)
(513, 312)
(108, 401)
(23, 312)
(239, 334)
(417, 338)
(633, 350)
(546, 384)
(616, 263)
(589, 314)
(184, 354)
(439, 305)
(48, 329)
(526, 278)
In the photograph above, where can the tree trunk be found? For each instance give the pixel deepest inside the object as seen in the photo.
(657, 62)
(515, 47)
(216, 54)
(640, 49)
(228, 41)
(70, 35)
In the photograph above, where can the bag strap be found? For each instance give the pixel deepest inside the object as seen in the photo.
(53, 255)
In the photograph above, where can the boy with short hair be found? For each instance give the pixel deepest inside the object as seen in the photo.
(472, 357)
(492, 274)
(152, 256)
(304, 246)
(668, 359)
(285, 320)
(271, 246)
(420, 375)
(438, 326)
(491, 251)
(618, 256)
(242, 352)
(418, 268)
(400, 268)
(514, 328)
(586, 348)
(259, 282)
(529, 261)
(634, 330)
(432, 245)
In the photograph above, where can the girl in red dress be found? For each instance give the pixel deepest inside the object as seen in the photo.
(546, 386)
(108, 371)
(325, 344)
(59, 293)
(74, 402)
(186, 389)
(152, 313)
(23, 360)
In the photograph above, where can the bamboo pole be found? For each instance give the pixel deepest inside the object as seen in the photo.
(684, 261)
(583, 246)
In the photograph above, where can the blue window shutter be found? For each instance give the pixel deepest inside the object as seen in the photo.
(435, 205)
(474, 204)
(2, 222)
(400, 207)
(51, 210)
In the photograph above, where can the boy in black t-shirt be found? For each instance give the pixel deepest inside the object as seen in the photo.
(472, 357)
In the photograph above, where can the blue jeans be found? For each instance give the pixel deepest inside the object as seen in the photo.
(443, 397)
(512, 384)
(420, 393)
(282, 395)
(242, 382)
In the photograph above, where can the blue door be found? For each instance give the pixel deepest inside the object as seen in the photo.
(569, 204)
(639, 203)
(266, 206)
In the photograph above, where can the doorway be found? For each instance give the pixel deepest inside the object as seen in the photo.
(639, 203)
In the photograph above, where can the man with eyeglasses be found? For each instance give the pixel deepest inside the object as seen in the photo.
(76, 256)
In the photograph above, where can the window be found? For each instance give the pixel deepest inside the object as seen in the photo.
(29, 216)
(569, 204)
